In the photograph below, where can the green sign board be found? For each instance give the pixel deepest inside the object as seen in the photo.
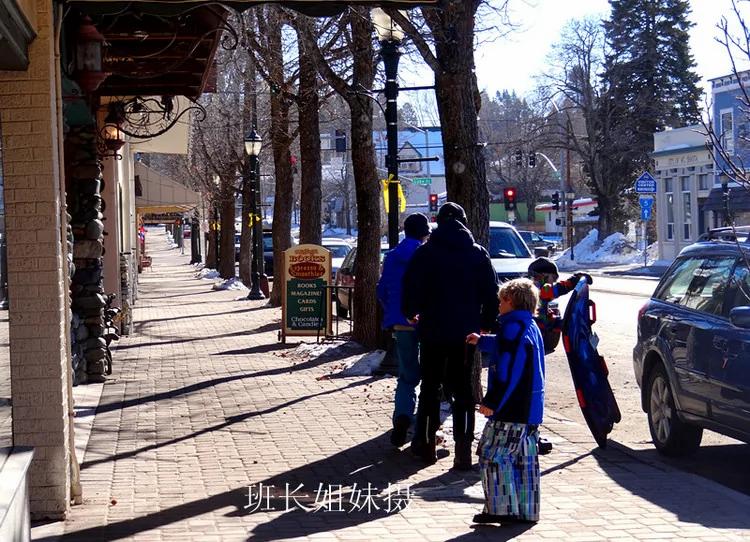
(306, 300)
(422, 180)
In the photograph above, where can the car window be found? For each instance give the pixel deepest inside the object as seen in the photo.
(506, 243)
(738, 293)
(525, 235)
(709, 285)
(348, 262)
(676, 285)
(337, 251)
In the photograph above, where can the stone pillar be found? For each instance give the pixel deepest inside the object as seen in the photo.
(29, 118)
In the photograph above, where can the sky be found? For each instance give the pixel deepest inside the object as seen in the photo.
(511, 62)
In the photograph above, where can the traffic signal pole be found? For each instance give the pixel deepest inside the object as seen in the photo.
(391, 55)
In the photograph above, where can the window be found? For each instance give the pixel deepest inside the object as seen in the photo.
(703, 181)
(710, 282)
(669, 198)
(727, 130)
(738, 293)
(687, 216)
(506, 243)
(676, 285)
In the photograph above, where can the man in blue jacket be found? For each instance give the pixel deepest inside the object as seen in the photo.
(450, 288)
(416, 231)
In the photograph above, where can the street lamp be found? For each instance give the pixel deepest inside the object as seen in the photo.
(217, 181)
(390, 36)
(253, 145)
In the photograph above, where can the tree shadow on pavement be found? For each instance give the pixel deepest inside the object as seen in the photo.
(496, 533)
(228, 422)
(374, 461)
(683, 494)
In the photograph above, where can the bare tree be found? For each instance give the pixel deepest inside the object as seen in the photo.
(354, 83)
(444, 36)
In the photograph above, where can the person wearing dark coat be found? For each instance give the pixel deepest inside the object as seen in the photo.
(450, 291)
(416, 231)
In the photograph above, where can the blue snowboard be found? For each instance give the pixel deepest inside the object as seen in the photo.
(587, 367)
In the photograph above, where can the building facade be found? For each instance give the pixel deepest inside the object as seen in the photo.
(684, 174)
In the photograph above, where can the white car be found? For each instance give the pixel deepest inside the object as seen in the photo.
(510, 255)
(338, 249)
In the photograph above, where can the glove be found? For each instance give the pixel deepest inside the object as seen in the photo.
(578, 276)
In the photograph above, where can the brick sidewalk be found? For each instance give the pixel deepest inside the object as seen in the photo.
(204, 403)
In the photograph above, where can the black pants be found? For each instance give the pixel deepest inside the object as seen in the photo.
(445, 369)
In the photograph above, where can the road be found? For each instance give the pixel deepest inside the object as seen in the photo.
(617, 301)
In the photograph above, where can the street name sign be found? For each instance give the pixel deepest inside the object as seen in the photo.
(424, 181)
(306, 302)
(645, 184)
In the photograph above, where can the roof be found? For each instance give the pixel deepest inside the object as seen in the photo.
(160, 194)
(739, 199)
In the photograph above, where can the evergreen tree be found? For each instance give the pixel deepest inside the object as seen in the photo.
(649, 69)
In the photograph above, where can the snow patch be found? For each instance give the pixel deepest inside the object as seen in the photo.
(230, 284)
(615, 249)
(207, 273)
(362, 365)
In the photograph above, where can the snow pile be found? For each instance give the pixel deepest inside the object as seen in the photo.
(230, 284)
(615, 249)
(207, 273)
(362, 365)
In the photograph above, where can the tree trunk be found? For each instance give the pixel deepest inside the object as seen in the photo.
(458, 106)
(309, 141)
(284, 194)
(368, 224)
(226, 250)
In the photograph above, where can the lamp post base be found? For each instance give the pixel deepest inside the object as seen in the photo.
(255, 295)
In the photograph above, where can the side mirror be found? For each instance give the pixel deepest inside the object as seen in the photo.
(541, 251)
(740, 317)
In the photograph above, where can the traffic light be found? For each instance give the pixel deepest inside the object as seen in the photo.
(340, 141)
(433, 203)
(556, 201)
(509, 196)
(519, 158)
(532, 159)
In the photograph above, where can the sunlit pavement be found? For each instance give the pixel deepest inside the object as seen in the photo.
(204, 403)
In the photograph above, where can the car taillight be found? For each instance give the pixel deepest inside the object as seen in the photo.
(643, 310)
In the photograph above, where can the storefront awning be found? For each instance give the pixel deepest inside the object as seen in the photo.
(158, 194)
(739, 199)
(316, 8)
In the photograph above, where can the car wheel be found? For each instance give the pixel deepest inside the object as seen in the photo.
(341, 311)
(671, 436)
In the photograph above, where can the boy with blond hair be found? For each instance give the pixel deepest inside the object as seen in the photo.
(514, 405)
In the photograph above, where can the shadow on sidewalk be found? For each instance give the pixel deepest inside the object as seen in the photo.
(374, 462)
(641, 473)
(273, 326)
(229, 421)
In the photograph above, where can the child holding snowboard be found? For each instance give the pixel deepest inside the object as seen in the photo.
(514, 404)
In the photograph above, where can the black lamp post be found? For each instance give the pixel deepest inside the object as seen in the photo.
(217, 182)
(253, 145)
(390, 36)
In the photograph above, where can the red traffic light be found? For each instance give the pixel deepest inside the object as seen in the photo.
(433, 203)
(509, 195)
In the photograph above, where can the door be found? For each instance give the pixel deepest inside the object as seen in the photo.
(684, 332)
(730, 363)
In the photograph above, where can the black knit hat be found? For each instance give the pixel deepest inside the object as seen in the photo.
(451, 211)
(416, 226)
(543, 266)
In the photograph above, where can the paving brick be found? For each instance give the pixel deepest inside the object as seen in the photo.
(204, 402)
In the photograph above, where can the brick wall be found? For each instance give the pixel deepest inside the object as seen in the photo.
(38, 305)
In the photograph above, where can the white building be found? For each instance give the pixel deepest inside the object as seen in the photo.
(684, 175)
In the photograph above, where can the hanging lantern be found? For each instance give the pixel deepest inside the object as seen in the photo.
(111, 138)
(89, 45)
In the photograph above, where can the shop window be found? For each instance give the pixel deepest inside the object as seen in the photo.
(703, 181)
(687, 215)
(670, 215)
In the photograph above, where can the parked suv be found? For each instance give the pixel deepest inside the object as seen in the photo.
(692, 358)
(537, 243)
(510, 255)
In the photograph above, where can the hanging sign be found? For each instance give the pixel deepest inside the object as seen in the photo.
(306, 302)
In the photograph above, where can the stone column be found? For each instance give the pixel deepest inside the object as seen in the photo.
(36, 287)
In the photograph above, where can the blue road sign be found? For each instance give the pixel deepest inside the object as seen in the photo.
(645, 184)
(645, 213)
(646, 202)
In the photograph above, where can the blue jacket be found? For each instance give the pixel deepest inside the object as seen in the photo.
(389, 285)
(451, 285)
(515, 384)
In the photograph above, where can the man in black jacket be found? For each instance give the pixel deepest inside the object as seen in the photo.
(450, 289)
